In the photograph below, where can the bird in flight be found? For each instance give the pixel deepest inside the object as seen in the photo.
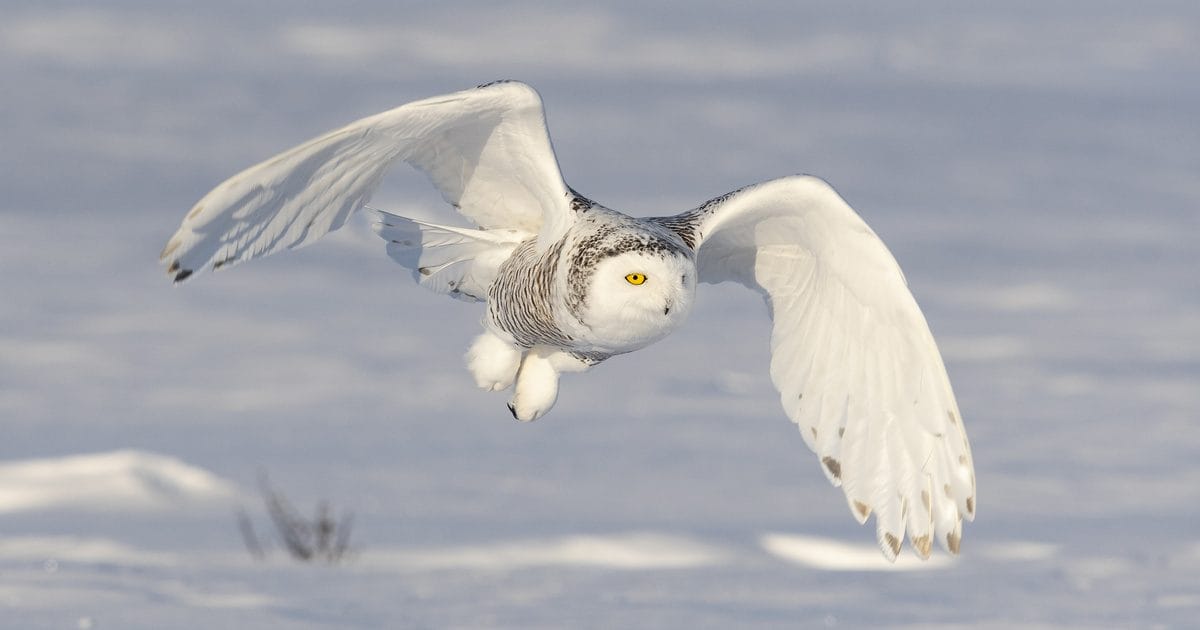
(569, 283)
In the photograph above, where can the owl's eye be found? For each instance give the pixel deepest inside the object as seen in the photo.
(635, 278)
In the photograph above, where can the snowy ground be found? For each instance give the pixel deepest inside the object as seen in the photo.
(1033, 167)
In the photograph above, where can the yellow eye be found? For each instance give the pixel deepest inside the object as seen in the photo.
(635, 278)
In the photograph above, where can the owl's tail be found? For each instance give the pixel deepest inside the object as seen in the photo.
(459, 262)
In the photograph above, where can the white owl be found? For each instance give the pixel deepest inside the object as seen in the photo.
(569, 283)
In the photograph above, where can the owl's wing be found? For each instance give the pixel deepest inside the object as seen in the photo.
(486, 149)
(851, 354)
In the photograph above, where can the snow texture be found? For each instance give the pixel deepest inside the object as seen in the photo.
(1031, 165)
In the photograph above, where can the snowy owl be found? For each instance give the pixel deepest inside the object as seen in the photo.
(569, 283)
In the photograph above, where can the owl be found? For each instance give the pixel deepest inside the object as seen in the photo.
(568, 283)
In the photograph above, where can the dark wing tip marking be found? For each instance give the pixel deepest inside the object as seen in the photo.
(923, 545)
(893, 543)
(179, 273)
(834, 466)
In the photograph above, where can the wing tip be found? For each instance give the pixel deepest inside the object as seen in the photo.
(953, 542)
(170, 248)
(178, 273)
(889, 544)
(922, 544)
(833, 470)
(860, 510)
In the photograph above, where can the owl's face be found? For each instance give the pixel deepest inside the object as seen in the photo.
(637, 298)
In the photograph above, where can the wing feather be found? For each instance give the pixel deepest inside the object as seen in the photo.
(851, 354)
(486, 149)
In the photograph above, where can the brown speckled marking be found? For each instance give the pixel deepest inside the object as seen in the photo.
(962, 459)
(424, 271)
(841, 431)
(863, 509)
(892, 542)
(923, 545)
(953, 418)
(952, 542)
(579, 203)
(970, 505)
(221, 263)
(814, 432)
(946, 489)
(834, 466)
(195, 211)
(925, 499)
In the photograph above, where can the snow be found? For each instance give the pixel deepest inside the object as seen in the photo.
(633, 551)
(1031, 166)
(832, 555)
(116, 481)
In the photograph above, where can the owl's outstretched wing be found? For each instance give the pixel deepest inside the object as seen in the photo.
(486, 149)
(851, 354)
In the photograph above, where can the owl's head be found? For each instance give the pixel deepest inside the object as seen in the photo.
(636, 297)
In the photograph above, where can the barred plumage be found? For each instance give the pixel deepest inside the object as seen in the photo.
(521, 300)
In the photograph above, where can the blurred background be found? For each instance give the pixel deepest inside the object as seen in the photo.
(1032, 165)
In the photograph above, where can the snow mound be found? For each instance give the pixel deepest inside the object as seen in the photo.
(632, 551)
(53, 550)
(115, 481)
(834, 555)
